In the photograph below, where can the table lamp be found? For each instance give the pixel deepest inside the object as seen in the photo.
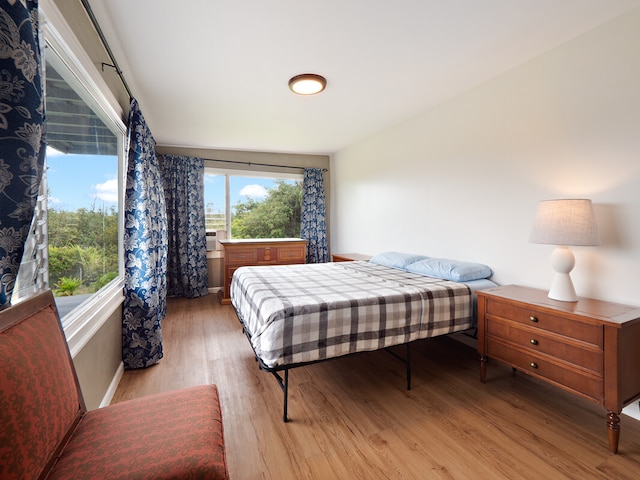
(564, 223)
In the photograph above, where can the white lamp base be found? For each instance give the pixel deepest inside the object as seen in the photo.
(562, 261)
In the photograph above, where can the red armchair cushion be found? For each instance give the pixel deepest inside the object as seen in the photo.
(169, 435)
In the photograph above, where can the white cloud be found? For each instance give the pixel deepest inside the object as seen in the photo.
(54, 200)
(52, 152)
(107, 191)
(254, 191)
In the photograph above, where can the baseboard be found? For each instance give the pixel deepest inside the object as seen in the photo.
(633, 410)
(466, 339)
(214, 289)
(111, 391)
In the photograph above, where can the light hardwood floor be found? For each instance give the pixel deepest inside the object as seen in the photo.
(352, 418)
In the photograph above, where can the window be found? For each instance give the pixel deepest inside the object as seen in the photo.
(257, 206)
(75, 242)
(82, 192)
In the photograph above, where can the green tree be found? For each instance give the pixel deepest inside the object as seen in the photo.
(63, 262)
(83, 244)
(63, 228)
(277, 216)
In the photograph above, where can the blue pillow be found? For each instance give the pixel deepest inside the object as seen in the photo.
(450, 269)
(396, 259)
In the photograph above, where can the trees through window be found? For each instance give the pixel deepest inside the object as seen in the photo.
(253, 206)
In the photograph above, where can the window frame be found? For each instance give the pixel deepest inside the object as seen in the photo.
(83, 322)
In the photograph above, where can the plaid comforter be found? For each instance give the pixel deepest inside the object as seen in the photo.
(303, 313)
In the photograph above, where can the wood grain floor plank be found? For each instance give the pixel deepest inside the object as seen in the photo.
(353, 417)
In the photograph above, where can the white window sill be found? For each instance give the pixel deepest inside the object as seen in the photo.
(83, 322)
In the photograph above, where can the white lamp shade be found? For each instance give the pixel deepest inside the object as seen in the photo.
(565, 222)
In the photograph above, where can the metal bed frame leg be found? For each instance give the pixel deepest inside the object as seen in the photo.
(284, 382)
(284, 386)
(408, 359)
(285, 390)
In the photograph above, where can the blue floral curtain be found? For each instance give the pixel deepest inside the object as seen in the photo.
(145, 249)
(313, 225)
(183, 182)
(22, 133)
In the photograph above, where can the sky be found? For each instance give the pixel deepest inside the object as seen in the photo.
(76, 181)
(241, 189)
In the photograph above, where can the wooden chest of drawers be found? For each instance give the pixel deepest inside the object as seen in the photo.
(588, 347)
(246, 252)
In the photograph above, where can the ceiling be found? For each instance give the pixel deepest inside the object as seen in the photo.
(213, 73)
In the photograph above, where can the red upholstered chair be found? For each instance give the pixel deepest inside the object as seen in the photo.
(46, 431)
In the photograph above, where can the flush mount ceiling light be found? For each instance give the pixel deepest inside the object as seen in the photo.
(307, 84)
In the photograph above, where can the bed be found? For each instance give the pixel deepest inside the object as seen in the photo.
(295, 315)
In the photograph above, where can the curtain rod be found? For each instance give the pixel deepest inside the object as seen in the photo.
(262, 164)
(105, 44)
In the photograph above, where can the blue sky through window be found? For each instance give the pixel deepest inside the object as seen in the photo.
(82, 181)
(241, 188)
(77, 181)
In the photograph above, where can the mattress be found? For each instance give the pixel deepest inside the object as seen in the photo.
(296, 314)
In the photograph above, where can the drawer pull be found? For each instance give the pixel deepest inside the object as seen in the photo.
(533, 365)
(533, 319)
(534, 341)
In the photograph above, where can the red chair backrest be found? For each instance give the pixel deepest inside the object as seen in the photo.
(40, 398)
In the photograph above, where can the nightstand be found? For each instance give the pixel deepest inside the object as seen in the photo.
(590, 347)
(348, 257)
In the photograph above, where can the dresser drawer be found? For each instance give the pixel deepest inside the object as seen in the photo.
(239, 256)
(536, 340)
(537, 319)
(230, 270)
(292, 254)
(267, 254)
(564, 376)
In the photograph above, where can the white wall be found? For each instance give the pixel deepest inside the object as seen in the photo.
(463, 179)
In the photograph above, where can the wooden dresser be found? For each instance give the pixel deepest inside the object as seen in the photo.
(589, 347)
(270, 251)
